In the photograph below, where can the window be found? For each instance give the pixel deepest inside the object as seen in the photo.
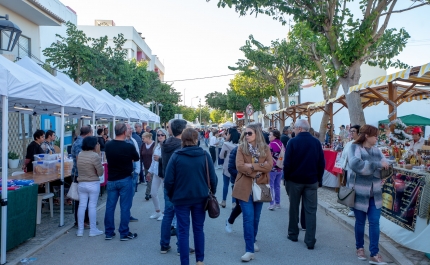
(27, 124)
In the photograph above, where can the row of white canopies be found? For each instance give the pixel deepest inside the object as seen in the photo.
(27, 87)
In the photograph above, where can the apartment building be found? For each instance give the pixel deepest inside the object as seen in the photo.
(135, 43)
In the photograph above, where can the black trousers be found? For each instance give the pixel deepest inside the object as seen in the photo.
(235, 213)
(309, 195)
(212, 151)
(302, 210)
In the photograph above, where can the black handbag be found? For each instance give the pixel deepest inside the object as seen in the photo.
(212, 205)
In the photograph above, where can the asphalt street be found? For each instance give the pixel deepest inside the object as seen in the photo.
(335, 243)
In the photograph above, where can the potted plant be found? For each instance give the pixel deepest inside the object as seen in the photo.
(13, 159)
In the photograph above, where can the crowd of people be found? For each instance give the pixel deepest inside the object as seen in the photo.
(161, 158)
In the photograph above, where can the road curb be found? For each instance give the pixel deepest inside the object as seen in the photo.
(47, 241)
(384, 242)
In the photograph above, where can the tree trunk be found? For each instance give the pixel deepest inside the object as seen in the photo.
(353, 100)
(323, 125)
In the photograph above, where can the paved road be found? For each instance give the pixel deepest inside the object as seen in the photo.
(335, 244)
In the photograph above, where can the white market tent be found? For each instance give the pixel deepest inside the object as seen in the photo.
(152, 116)
(139, 113)
(23, 90)
(78, 103)
(103, 108)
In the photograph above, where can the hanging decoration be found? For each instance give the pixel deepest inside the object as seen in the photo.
(399, 135)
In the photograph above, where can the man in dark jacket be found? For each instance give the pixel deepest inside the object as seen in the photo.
(284, 137)
(169, 146)
(303, 170)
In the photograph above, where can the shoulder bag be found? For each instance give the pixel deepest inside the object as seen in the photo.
(261, 192)
(212, 205)
(280, 161)
(73, 190)
(346, 196)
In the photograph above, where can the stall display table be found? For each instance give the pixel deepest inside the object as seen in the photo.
(406, 206)
(331, 176)
(21, 215)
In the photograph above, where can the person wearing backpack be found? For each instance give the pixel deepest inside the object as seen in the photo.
(276, 147)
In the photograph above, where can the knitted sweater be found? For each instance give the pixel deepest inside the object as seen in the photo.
(89, 166)
(366, 164)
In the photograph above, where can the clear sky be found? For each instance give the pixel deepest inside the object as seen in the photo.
(195, 38)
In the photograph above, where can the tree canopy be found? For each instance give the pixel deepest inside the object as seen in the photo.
(351, 40)
(91, 60)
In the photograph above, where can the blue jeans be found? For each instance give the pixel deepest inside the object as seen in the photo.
(122, 189)
(198, 215)
(220, 161)
(275, 186)
(251, 217)
(373, 215)
(226, 182)
(166, 223)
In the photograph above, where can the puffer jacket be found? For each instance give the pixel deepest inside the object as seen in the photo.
(232, 165)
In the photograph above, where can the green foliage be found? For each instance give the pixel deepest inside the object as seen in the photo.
(217, 100)
(237, 102)
(91, 60)
(12, 155)
(205, 112)
(273, 68)
(188, 113)
(218, 116)
(249, 89)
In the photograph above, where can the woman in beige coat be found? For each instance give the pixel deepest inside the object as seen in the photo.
(253, 162)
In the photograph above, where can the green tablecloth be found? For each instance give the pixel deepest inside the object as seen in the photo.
(21, 215)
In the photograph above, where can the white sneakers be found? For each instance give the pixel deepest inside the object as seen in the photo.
(351, 214)
(160, 218)
(228, 227)
(80, 233)
(156, 215)
(256, 248)
(96, 233)
(248, 256)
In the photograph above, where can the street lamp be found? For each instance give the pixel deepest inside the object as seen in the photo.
(200, 106)
(192, 100)
(160, 108)
(10, 30)
(184, 96)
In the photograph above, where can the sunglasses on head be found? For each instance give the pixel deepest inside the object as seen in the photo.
(159, 135)
(248, 133)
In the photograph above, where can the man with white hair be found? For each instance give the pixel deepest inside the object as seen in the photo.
(303, 170)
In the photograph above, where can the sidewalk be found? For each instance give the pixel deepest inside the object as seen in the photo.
(327, 199)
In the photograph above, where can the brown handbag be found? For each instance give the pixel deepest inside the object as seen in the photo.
(212, 205)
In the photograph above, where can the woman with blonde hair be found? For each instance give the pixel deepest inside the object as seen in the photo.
(366, 162)
(153, 174)
(254, 162)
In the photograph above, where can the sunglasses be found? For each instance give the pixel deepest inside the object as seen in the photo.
(248, 133)
(159, 135)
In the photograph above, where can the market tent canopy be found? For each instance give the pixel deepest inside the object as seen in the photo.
(415, 75)
(411, 120)
(75, 101)
(103, 109)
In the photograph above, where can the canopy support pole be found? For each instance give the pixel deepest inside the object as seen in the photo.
(4, 146)
(113, 127)
(94, 123)
(62, 169)
(330, 110)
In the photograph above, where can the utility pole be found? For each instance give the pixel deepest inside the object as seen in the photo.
(184, 96)
(200, 106)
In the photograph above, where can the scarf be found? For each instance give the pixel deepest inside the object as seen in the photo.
(254, 152)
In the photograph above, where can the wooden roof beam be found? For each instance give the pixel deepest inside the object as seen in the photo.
(404, 92)
(378, 95)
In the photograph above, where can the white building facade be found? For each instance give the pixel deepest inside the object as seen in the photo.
(135, 44)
